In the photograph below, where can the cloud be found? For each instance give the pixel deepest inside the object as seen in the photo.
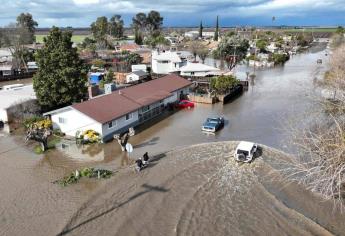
(176, 12)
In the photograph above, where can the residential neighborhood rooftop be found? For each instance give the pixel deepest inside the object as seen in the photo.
(121, 102)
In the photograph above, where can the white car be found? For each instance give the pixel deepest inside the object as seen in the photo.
(245, 151)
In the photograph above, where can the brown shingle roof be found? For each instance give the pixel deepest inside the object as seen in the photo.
(124, 101)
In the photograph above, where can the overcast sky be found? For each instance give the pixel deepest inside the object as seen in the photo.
(80, 13)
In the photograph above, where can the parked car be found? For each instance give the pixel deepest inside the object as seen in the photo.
(185, 104)
(213, 124)
(245, 151)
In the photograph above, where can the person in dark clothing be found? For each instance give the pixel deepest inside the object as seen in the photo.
(146, 158)
(140, 164)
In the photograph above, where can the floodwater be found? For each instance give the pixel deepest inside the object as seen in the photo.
(30, 204)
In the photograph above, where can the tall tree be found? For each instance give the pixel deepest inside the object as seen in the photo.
(216, 33)
(232, 50)
(154, 23)
(200, 29)
(60, 79)
(116, 26)
(138, 38)
(139, 22)
(99, 30)
(27, 27)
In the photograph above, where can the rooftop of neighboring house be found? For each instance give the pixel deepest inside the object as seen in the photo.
(197, 67)
(121, 102)
(166, 56)
(139, 73)
(129, 47)
(14, 94)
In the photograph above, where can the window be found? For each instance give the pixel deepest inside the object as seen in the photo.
(164, 62)
(112, 124)
(192, 73)
(129, 116)
(62, 120)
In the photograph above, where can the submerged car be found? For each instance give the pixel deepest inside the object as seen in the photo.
(245, 151)
(213, 124)
(185, 104)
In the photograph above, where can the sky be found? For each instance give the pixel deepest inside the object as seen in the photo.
(81, 13)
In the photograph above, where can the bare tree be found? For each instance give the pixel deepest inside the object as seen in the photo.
(320, 141)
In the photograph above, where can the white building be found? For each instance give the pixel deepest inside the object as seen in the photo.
(117, 112)
(166, 62)
(12, 95)
(272, 47)
(136, 76)
(195, 34)
(198, 69)
(142, 67)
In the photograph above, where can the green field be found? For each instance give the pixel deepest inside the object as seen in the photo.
(314, 30)
(75, 38)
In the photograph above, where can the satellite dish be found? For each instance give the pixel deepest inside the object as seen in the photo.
(129, 147)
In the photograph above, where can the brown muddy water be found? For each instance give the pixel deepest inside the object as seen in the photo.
(182, 194)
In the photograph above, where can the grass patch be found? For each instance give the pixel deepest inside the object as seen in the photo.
(53, 141)
(75, 38)
(38, 150)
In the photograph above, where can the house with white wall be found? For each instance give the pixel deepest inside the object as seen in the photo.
(11, 96)
(199, 70)
(136, 76)
(166, 62)
(116, 112)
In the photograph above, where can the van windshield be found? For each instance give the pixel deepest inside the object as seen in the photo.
(242, 152)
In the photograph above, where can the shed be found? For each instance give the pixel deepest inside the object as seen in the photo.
(96, 77)
(135, 76)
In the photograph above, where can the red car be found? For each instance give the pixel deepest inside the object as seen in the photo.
(185, 104)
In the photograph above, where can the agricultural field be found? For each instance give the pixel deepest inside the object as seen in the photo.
(75, 38)
(310, 30)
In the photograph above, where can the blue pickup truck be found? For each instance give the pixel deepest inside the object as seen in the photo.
(213, 124)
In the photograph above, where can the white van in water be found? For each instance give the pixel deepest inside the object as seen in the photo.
(245, 151)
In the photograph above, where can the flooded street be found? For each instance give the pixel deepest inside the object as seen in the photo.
(30, 204)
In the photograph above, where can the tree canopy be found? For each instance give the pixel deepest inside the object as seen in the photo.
(150, 24)
(223, 83)
(60, 79)
(27, 27)
(116, 26)
(232, 49)
(216, 33)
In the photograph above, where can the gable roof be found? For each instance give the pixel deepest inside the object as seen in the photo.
(139, 73)
(190, 67)
(121, 102)
(166, 56)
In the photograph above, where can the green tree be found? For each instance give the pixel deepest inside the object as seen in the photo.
(116, 26)
(138, 38)
(223, 83)
(27, 27)
(202, 53)
(155, 41)
(216, 33)
(340, 30)
(109, 78)
(60, 79)
(154, 23)
(232, 50)
(200, 29)
(99, 30)
(262, 44)
(139, 22)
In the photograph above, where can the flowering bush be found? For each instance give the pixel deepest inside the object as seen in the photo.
(91, 136)
(38, 123)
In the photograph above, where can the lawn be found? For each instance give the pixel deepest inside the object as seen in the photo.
(75, 38)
